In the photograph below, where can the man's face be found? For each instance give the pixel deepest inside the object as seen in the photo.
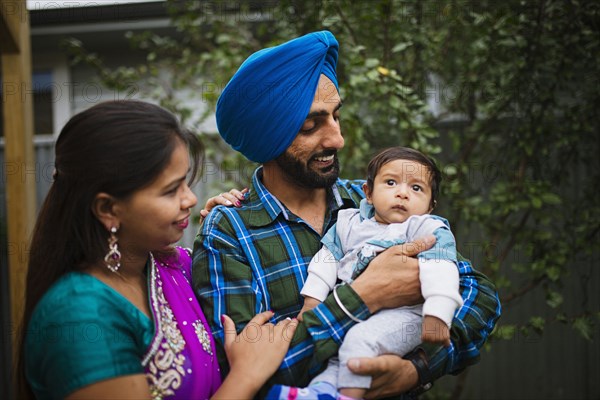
(311, 160)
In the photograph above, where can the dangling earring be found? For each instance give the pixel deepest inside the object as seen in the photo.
(113, 257)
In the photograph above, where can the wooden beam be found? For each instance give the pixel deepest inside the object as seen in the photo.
(12, 13)
(19, 157)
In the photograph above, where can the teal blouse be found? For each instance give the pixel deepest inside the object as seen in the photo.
(83, 331)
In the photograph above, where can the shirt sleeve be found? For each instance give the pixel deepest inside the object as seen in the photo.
(78, 338)
(227, 283)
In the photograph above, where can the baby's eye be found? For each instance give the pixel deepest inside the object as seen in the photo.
(390, 182)
(417, 188)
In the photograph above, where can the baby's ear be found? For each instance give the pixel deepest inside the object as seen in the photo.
(433, 206)
(365, 188)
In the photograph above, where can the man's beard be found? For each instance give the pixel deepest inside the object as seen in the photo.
(301, 174)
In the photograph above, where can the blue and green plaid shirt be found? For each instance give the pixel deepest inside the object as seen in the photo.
(255, 258)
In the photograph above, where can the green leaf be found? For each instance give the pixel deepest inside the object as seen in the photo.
(551, 198)
(553, 273)
(554, 299)
(537, 323)
(505, 332)
(584, 326)
(373, 75)
(562, 318)
(401, 46)
(371, 62)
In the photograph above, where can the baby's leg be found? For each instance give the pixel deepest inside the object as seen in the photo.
(323, 385)
(395, 331)
(330, 375)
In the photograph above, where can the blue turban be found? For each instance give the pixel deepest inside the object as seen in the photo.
(264, 105)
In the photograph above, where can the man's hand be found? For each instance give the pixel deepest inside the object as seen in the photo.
(392, 278)
(392, 375)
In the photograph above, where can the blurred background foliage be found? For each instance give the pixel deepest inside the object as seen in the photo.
(505, 95)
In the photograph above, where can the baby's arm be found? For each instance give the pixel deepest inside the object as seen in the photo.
(322, 275)
(434, 330)
(439, 284)
(309, 304)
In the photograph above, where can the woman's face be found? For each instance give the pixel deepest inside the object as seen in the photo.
(154, 217)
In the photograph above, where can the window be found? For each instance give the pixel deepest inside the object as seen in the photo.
(43, 99)
(43, 89)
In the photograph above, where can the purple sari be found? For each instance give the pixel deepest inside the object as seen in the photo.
(181, 362)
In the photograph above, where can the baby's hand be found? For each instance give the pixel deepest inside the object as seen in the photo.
(435, 331)
(309, 304)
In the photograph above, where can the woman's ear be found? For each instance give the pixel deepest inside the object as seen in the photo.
(103, 208)
(367, 191)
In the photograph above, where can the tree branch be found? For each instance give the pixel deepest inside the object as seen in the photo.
(347, 24)
(520, 292)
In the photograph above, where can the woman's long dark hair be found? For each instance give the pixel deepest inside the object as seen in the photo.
(116, 147)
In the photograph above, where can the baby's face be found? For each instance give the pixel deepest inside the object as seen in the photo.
(401, 188)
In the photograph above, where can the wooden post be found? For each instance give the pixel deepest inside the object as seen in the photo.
(19, 156)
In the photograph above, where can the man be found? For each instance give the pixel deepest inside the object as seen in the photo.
(281, 109)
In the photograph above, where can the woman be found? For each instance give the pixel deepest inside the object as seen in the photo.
(109, 307)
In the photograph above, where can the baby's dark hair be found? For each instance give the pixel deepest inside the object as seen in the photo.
(404, 153)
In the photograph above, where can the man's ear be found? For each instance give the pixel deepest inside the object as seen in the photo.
(365, 188)
(103, 208)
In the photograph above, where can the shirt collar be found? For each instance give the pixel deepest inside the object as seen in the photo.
(266, 207)
(367, 211)
(347, 200)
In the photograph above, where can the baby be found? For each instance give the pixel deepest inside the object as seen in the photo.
(401, 190)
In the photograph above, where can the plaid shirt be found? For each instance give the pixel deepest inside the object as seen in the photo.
(255, 258)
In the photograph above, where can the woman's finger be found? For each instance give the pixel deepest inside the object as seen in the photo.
(239, 195)
(288, 328)
(226, 199)
(222, 199)
(229, 329)
(262, 318)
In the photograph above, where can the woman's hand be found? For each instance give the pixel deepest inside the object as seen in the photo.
(229, 199)
(255, 354)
